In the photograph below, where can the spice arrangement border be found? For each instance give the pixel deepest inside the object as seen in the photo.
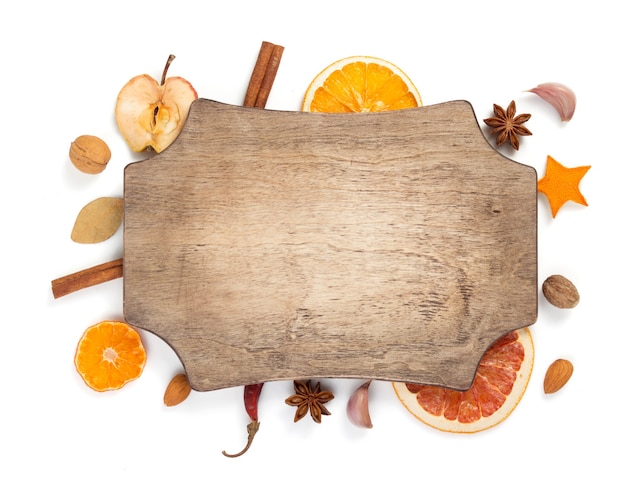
(149, 119)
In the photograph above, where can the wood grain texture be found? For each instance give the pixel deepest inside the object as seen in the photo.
(270, 245)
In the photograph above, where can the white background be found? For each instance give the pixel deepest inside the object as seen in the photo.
(63, 64)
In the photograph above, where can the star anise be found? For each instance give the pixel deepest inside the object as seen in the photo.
(507, 125)
(309, 399)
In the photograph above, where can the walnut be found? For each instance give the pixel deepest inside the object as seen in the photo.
(89, 154)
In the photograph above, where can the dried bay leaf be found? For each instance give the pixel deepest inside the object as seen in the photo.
(98, 220)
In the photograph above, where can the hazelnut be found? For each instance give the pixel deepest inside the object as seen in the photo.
(89, 154)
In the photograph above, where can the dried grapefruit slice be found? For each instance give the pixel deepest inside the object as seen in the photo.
(361, 84)
(109, 355)
(500, 383)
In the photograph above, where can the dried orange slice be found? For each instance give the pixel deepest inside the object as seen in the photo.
(109, 355)
(501, 380)
(361, 84)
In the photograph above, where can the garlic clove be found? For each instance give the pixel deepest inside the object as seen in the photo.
(358, 407)
(560, 96)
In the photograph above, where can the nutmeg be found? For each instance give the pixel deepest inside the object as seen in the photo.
(560, 291)
(89, 154)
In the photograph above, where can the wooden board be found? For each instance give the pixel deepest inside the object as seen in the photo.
(270, 245)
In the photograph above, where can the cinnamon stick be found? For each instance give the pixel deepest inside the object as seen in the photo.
(263, 75)
(259, 88)
(256, 79)
(269, 77)
(87, 277)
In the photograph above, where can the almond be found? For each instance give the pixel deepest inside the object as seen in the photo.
(560, 291)
(89, 154)
(177, 391)
(558, 373)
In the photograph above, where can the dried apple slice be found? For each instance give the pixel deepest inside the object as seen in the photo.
(150, 114)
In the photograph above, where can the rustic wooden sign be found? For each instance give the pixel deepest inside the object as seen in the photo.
(271, 245)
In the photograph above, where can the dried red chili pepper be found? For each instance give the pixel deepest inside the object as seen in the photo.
(251, 394)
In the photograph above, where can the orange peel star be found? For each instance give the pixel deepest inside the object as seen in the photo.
(561, 184)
